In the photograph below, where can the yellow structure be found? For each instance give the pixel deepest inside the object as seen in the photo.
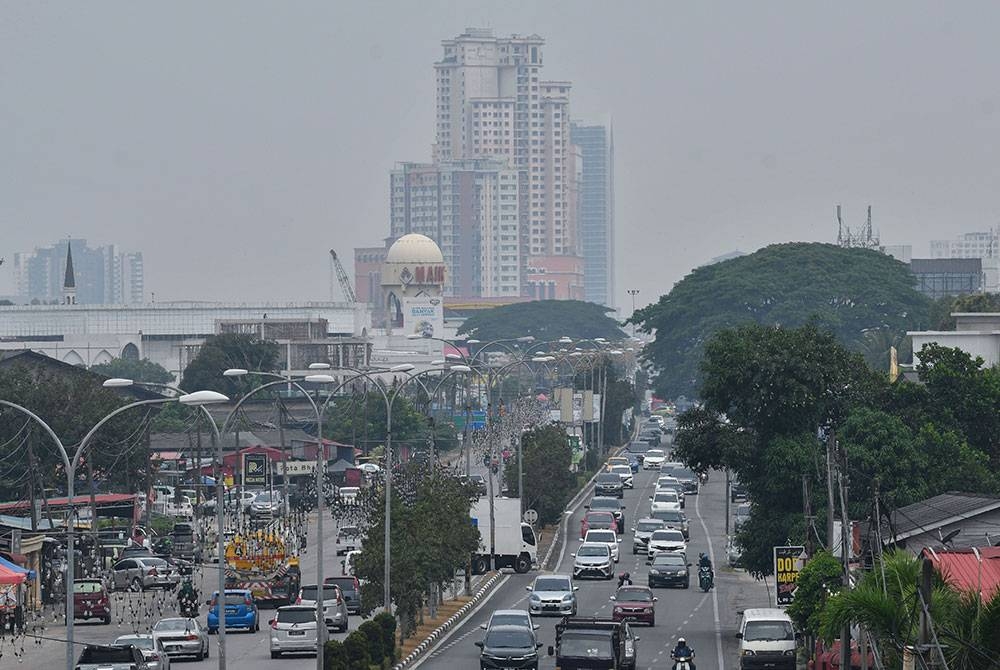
(259, 551)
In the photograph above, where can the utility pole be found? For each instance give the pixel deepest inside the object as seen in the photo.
(633, 292)
(729, 497)
(845, 548)
(807, 512)
(831, 508)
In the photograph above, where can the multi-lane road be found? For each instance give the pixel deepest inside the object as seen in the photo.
(707, 620)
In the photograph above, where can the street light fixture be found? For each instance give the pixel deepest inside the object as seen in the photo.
(319, 366)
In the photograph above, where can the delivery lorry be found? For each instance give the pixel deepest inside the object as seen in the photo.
(514, 542)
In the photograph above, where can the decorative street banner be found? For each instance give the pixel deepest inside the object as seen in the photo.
(788, 562)
(254, 469)
(423, 316)
(477, 420)
(577, 446)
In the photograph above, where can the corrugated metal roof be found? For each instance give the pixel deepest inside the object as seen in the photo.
(939, 511)
(965, 571)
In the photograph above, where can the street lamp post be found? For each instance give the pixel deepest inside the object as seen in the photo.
(633, 292)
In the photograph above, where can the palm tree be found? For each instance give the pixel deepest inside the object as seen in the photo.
(971, 632)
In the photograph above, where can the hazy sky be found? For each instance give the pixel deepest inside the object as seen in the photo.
(233, 143)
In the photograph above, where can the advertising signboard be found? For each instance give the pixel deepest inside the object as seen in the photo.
(423, 316)
(295, 468)
(254, 469)
(576, 444)
(788, 562)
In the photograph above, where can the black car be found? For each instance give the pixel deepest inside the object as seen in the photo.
(737, 491)
(686, 476)
(96, 656)
(509, 647)
(609, 484)
(480, 483)
(639, 449)
(351, 588)
(669, 569)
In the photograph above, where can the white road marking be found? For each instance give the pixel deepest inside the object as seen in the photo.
(715, 595)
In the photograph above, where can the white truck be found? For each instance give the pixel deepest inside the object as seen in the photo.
(514, 542)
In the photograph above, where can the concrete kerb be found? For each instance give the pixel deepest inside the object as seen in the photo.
(483, 591)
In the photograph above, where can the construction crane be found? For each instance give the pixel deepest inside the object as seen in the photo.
(345, 281)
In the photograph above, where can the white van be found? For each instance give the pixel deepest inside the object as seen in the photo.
(767, 640)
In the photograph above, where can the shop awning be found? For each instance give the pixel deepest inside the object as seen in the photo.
(8, 576)
(14, 567)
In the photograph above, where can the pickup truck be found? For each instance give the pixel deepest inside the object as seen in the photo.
(590, 643)
(111, 657)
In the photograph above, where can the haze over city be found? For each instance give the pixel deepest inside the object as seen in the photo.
(234, 143)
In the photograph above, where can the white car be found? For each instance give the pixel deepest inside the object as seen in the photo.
(668, 539)
(180, 636)
(625, 472)
(348, 494)
(654, 458)
(293, 630)
(593, 559)
(664, 500)
(370, 468)
(608, 537)
(664, 481)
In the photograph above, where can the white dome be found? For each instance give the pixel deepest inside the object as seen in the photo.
(416, 249)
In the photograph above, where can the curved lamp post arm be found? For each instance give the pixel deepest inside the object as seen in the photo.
(48, 429)
(93, 431)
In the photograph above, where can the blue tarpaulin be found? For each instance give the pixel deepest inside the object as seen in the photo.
(17, 568)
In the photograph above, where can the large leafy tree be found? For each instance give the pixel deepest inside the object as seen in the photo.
(544, 320)
(845, 291)
(548, 482)
(221, 352)
(143, 370)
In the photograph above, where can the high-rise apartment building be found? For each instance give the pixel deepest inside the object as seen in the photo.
(470, 208)
(596, 213)
(104, 275)
(492, 102)
(981, 245)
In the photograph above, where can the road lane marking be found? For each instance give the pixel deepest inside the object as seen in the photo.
(715, 593)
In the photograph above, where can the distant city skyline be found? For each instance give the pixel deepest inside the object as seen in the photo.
(104, 275)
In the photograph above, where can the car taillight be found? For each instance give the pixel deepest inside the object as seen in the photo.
(248, 601)
(191, 637)
(298, 601)
(274, 624)
(212, 604)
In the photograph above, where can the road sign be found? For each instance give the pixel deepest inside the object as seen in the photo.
(254, 469)
(788, 562)
(530, 516)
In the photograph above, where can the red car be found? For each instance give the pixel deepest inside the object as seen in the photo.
(635, 603)
(600, 520)
(90, 600)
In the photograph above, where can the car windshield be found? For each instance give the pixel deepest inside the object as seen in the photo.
(509, 638)
(600, 517)
(551, 584)
(236, 598)
(654, 453)
(106, 655)
(137, 641)
(605, 504)
(670, 559)
(296, 616)
(665, 496)
(264, 498)
(87, 587)
(639, 595)
(593, 550)
(673, 515)
(173, 624)
(648, 526)
(609, 478)
(601, 536)
(155, 563)
(668, 536)
(509, 619)
(768, 630)
(577, 645)
(330, 592)
(345, 583)
(621, 470)
(683, 473)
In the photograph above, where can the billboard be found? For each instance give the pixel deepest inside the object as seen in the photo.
(423, 316)
(254, 469)
(788, 562)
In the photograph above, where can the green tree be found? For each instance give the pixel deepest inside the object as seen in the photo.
(221, 352)
(356, 650)
(819, 579)
(143, 370)
(845, 291)
(548, 482)
(545, 320)
(361, 420)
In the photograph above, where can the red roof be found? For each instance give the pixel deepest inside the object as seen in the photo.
(966, 571)
(83, 500)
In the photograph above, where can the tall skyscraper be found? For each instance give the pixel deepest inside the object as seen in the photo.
(103, 275)
(597, 210)
(491, 102)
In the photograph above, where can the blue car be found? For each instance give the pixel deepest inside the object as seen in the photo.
(241, 612)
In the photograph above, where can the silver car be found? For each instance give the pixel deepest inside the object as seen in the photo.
(152, 651)
(268, 503)
(144, 572)
(593, 559)
(293, 629)
(334, 605)
(643, 529)
(182, 637)
(552, 594)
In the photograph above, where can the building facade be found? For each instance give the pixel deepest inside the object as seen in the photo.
(105, 275)
(984, 245)
(941, 277)
(596, 214)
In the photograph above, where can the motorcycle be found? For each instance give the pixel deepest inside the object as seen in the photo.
(705, 578)
(683, 662)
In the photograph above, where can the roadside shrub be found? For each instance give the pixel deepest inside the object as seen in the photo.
(334, 656)
(356, 648)
(376, 645)
(387, 623)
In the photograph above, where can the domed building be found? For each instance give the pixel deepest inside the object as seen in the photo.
(412, 279)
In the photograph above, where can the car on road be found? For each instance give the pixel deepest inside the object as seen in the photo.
(653, 459)
(509, 647)
(552, 594)
(334, 605)
(741, 515)
(241, 612)
(667, 539)
(293, 630)
(609, 484)
(593, 559)
(91, 600)
(370, 469)
(608, 537)
(634, 461)
(267, 504)
(664, 500)
(613, 505)
(625, 473)
(675, 519)
(111, 657)
(635, 604)
(351, 588)
(181, 636)
(734, 552)
(348, 539)
(617, 460)
(152, 651)
(667, 483)
(669, 569)
(638, 450)
(640, 534)
(510, 618)
(737, 491)
(144, 572)
(482, 488)
(685, 475)
(594, 519)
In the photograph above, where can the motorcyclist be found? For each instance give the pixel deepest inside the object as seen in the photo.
(682, 650)
(187, 599)
(624, 579)
(705, 565)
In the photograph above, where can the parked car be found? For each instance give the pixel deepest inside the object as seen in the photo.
(152, 651)
(640, 534)
(667, 539)
(182, 637)
(293, 630)
(734, 552)
(144, 572)
(634, 603)
(669, 569)
(350, 587)
(509, 647)
(90, 600)
(510, 618)
(111, 657)
(624, 472)
(594, 519)
(552, 594)
(737, 491)
(741, 515)
(608, 537)
(241, 612)
(613, 505)
(593, 559)
(609, 484)
(334, 605)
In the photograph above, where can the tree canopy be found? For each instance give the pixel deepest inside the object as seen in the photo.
(143, 370)
(222, 352)
(545, 320)
(847, 292)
